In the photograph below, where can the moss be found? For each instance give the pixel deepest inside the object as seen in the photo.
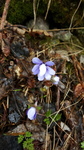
(19, 11)
(42, 9)
(59, 15)
(61, 12)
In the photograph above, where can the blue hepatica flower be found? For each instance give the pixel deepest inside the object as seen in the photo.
(43, 70)
(31, 113)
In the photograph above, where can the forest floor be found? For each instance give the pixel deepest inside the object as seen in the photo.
(59, 124)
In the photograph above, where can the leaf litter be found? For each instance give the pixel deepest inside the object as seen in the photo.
(19, 89)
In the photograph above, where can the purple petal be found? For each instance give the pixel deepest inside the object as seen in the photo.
(50, 71)
(41, 78)
(47, 76)
(49, 63)
(35, 69)
(36, 60)
(42, 69)
(31, 113)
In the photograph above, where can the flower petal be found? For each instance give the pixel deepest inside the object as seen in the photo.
(49, 63)
(41, 78)
(55, 80)
(50, 71)
(35, 69)
(47, 76)
(36, 60)
(42, 69)
(31, 113)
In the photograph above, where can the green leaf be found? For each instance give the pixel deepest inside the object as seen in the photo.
(28, 144)
(45, 96)
(48, 113)
(56, 117)
(47, 121)
(17, 90)
(29, 140)
(20, 138)
(25, 144)
(29, 106)
(28, 134)
(31, 147)
(39, 107)
(82, 144)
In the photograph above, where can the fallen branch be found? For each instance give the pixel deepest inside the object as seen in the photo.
(3, 19)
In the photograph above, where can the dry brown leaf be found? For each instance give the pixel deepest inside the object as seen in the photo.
(5, 49)
(63, 54)
(79, 89)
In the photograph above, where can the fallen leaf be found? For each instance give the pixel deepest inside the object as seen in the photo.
(79, 89)
(64, 127)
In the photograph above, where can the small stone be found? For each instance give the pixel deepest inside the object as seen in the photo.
(14, 117)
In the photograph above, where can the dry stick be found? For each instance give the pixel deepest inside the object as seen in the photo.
(62, 129)
(28, 29)
(59, 139)
(66, 29)
(46, 144)
(61, 109)
(66, 143)
(34, 11)
(58, 99)
(37, 4)
(48, 9)
(54, 138)
(74, 15)
(4, 15)
(79, 20)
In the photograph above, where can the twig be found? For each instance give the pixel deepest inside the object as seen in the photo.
(34, 11)
(54, 138)
(74, 15)
(11, 27)
(4, 15)
(79, 20)
(48, 9)
(58, 99)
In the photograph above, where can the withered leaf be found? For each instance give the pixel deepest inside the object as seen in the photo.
(79, 89)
